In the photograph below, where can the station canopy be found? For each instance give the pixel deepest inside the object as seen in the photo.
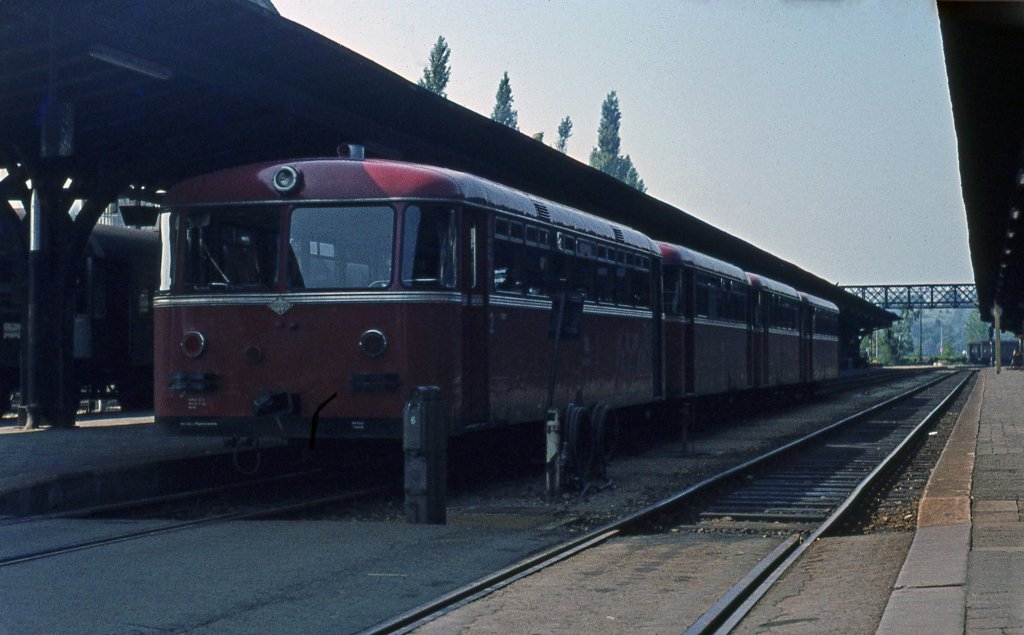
(149, 92)
(984, 48)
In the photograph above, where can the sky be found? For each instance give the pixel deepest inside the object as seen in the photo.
(818, 130)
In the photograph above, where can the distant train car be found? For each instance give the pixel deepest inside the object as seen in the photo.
(983, 352)
(113, 319)
(707, 330)
(820, 336)
(776, 349)
(337, 286)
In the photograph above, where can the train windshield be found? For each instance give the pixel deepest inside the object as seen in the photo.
(231, 249)
(341, 247)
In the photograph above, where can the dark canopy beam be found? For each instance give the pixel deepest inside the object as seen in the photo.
(984, 48)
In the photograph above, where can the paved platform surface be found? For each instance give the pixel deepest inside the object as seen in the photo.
(95, 443)
(965, 569)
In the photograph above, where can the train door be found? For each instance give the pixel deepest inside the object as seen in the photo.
(806, 343)
(759, 338)
(657, 308)
(689, 350)
(474, 316)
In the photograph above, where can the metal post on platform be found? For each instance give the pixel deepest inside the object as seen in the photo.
(553, 428)
(425, 443)
(997, 314)
(686, 414)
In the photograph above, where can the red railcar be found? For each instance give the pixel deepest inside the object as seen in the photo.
(338, 286)
(821, 333)
(776, 344)
(707, 329)
(335, 287)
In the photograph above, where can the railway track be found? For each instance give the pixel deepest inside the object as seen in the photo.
(803, 505)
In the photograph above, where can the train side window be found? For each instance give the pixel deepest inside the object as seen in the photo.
(709, 301)
(604, 282)
(429, 238)
(672, 290)
(515, 232)
(535, 271)
(623, 287)
(531, 235)
(641, 288)
(501, 227)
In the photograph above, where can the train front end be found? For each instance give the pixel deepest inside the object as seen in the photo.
(318, 291)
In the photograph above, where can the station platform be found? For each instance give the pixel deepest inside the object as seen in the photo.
(965, 569)
(98, 444)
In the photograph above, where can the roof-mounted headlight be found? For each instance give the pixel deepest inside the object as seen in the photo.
(287, 179)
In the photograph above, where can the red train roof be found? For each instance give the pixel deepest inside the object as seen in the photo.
(678, 255)
(375, 179)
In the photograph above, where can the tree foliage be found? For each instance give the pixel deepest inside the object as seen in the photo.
(605, 156)
(564, 132)
(438, 71)
(504, 113)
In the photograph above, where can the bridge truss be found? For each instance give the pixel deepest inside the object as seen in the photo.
(918, 296)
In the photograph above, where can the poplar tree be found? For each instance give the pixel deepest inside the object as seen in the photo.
(605, 156)
(504, 113)
(438, 70)
(564, 132)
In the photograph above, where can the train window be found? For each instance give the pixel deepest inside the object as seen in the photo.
(604, 283)
(585, 249)
(641, 289)
(543, 238)
(230, 248)
(585, 277)
(531, 235)
(672, 290)
(535, 271)
(515, 231)
(501, 227)
(508, 267)
(623, 287)
(708, 295)
(785, 313)
(825, 322)
(429, 236)
(567, 243)
(340, 247)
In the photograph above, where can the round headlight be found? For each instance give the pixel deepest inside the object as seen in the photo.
(373, 343)
(286, 179)
(193, 344)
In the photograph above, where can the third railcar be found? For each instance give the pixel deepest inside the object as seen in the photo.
(336, 286)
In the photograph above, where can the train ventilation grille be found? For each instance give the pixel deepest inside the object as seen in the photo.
(542, 212)
(618, 235)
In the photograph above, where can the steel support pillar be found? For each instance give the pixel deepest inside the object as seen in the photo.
(44, 371)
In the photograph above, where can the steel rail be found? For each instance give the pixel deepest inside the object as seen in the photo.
(477, 589)
(723, 616)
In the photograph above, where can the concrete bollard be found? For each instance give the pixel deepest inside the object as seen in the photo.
(425, 443)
